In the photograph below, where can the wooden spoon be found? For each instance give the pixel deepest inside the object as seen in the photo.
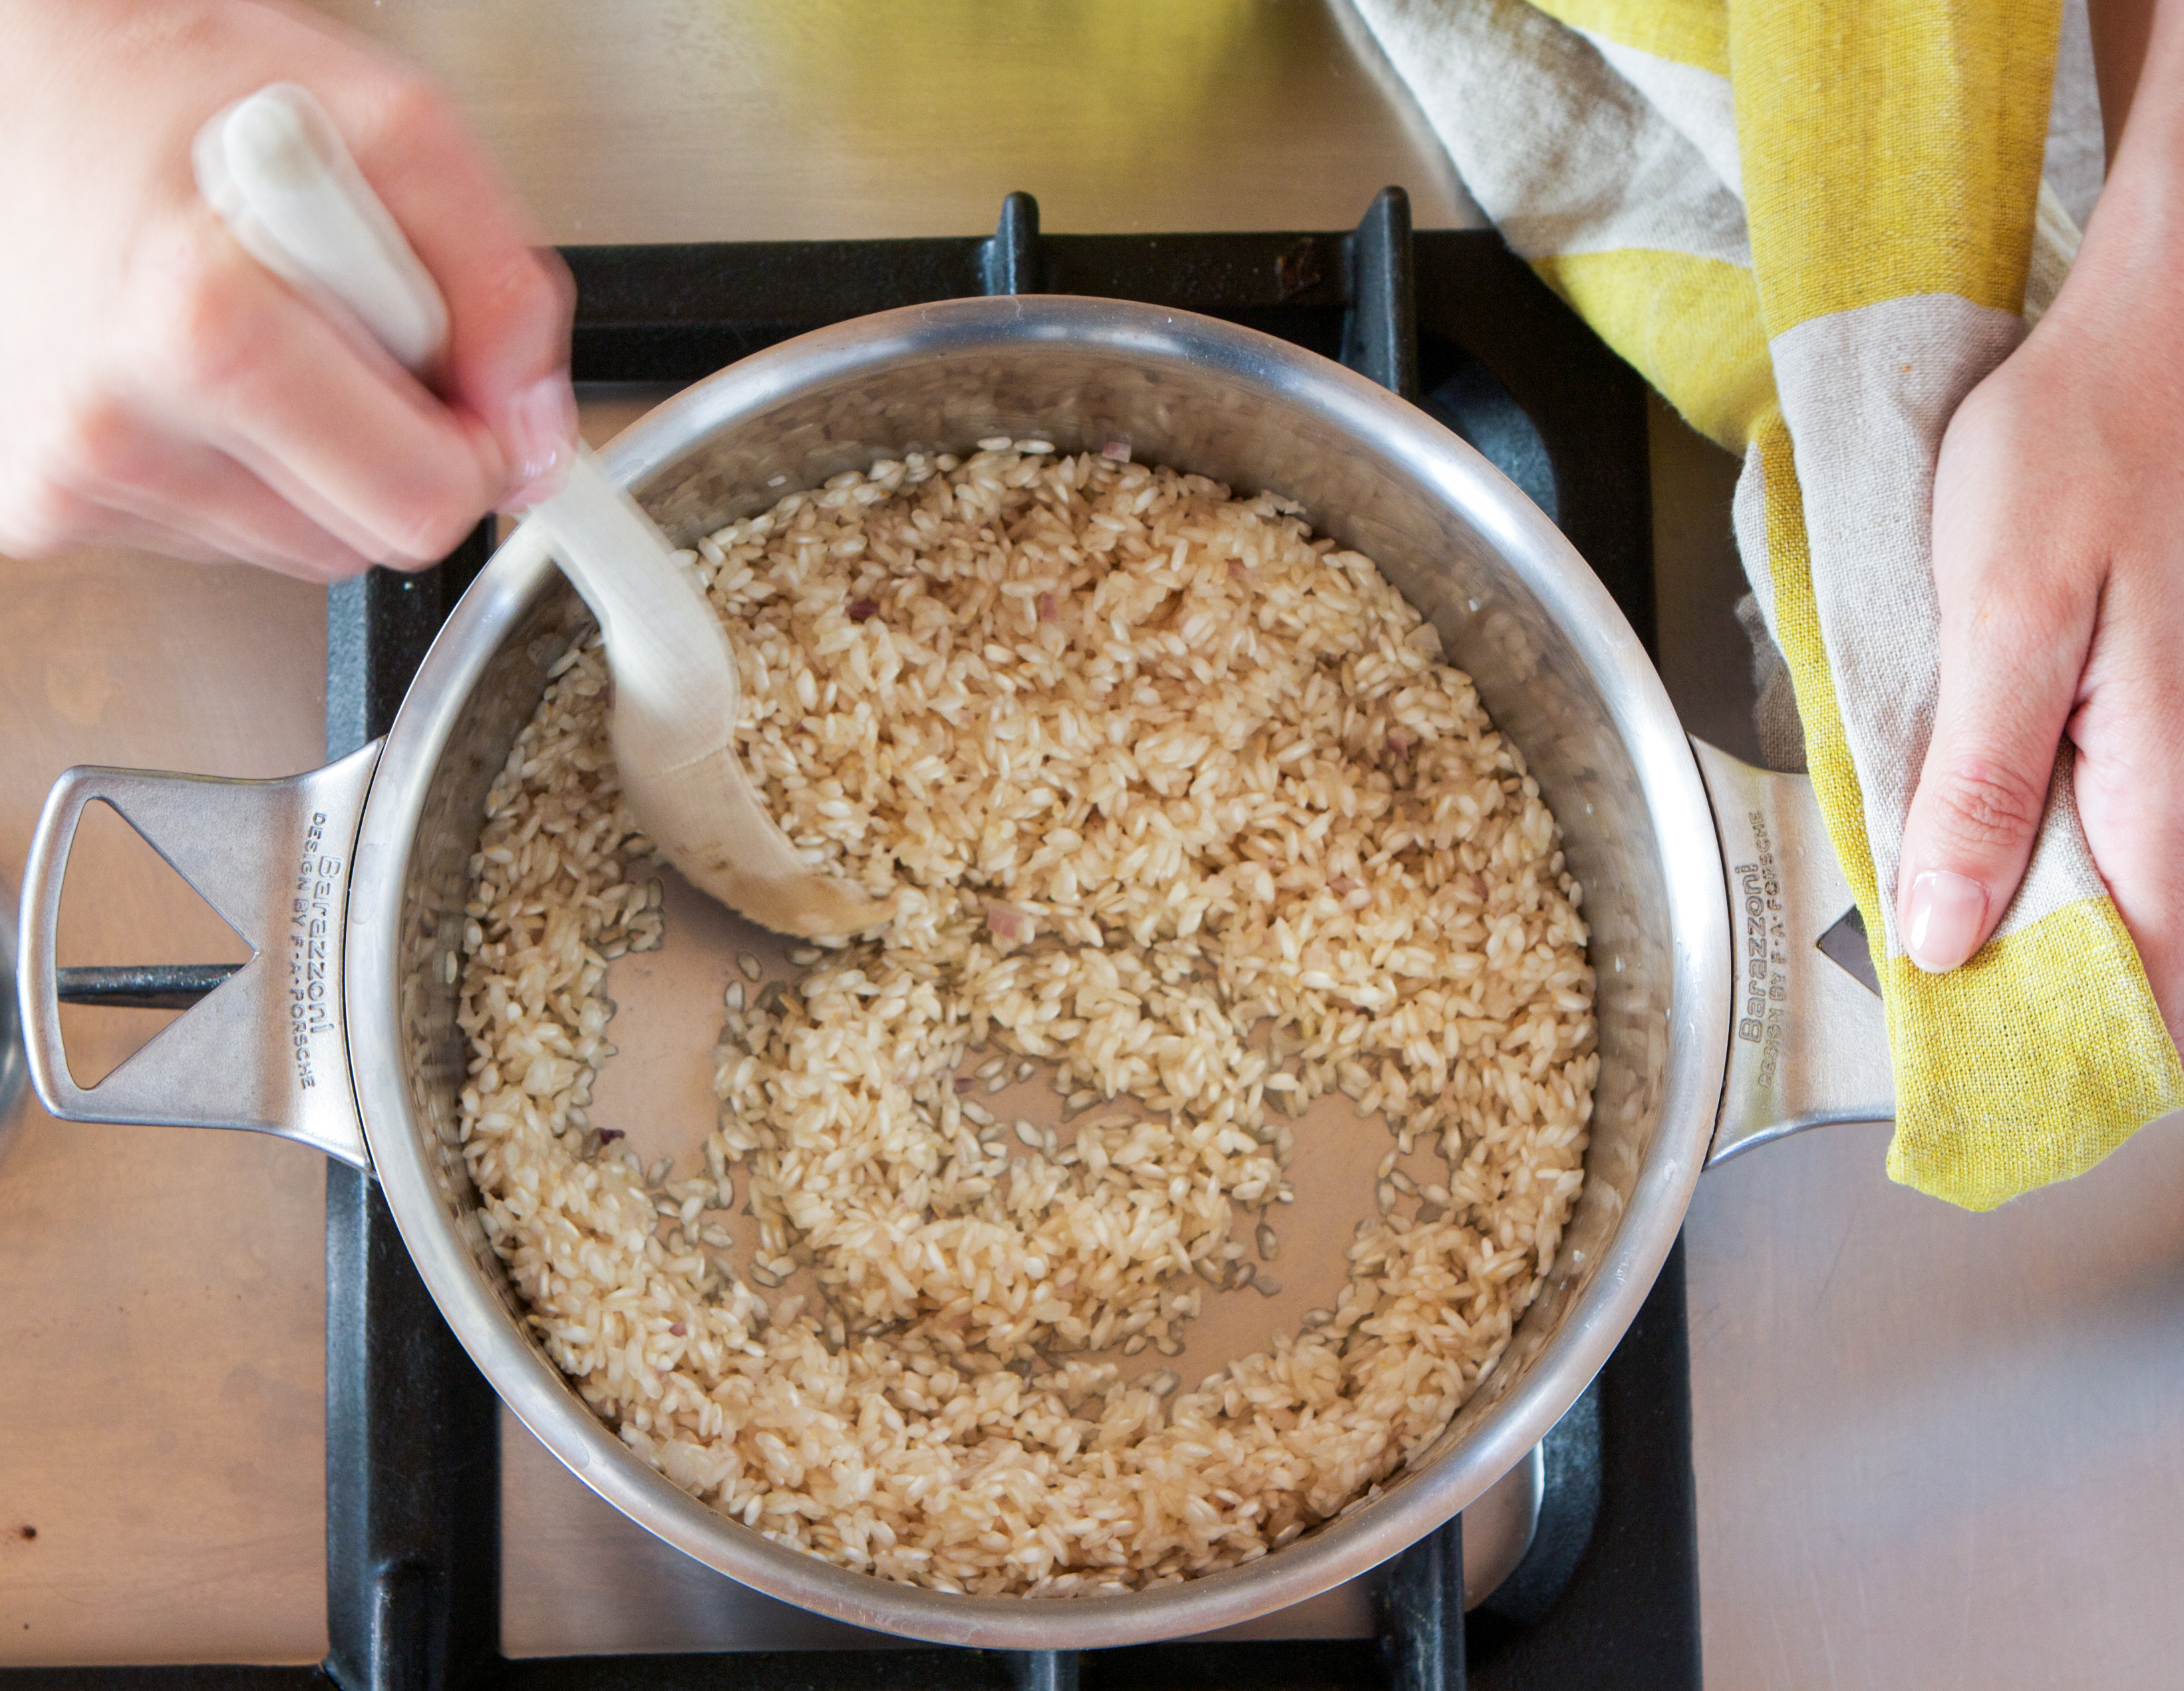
(274, 168)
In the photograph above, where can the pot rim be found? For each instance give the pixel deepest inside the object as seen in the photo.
(1413, 1504)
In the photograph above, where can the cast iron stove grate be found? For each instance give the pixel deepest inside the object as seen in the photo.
(1608, 1591)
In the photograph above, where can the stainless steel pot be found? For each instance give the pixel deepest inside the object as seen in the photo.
(1720, 1024)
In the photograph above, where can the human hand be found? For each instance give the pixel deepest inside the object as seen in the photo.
(158, 388)
(2058, 563)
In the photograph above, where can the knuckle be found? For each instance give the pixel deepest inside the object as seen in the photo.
(197, 331)
(527, 290)
(36, 524)
(510, 315)
(432, 524)
(412, 110)
(561, 286)
(1981, 805)
(97, 445)
(48, 499)
(41, 517)
(407, 132)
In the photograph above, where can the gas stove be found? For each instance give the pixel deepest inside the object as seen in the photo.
(439, 1508)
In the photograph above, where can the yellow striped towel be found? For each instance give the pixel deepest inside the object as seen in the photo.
(1814, 225)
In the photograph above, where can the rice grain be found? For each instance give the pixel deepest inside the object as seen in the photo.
(1136, 764)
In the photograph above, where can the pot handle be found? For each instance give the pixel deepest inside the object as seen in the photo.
(267, 1049)
(1809, 1037)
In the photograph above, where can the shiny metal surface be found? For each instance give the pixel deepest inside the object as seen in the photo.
(1514, 604)
(579, 1576)
(178, 1279)
(14, 1072)
(1516, 607)
(162, 1295)
(266, 1049)
(751, 120)
(1808, 1041)
(1938, 1451)
(187, 1300)
(582, 1579)
(1935, 1452)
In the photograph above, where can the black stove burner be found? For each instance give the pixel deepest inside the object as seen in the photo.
(1608, 1591)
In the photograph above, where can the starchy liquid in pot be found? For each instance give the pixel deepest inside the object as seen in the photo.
(1173, 803)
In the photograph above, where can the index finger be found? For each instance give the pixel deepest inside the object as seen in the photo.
(510, 299)
(225, 351)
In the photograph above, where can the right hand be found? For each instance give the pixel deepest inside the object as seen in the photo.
(159, 389)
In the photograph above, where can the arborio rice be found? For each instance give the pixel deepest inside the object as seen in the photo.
(1166, 794)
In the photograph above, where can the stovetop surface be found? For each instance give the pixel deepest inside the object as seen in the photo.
(1892, 1399)
(414, 1490)
(1496, 358)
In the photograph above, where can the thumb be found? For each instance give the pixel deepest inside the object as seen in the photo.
(2009, 677)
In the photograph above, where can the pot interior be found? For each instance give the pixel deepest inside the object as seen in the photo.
(1557, 667)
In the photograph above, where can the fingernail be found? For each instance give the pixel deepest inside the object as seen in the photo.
(542, 423)
(1943, 920)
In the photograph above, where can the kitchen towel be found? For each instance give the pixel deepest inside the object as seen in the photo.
(1815, 227)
